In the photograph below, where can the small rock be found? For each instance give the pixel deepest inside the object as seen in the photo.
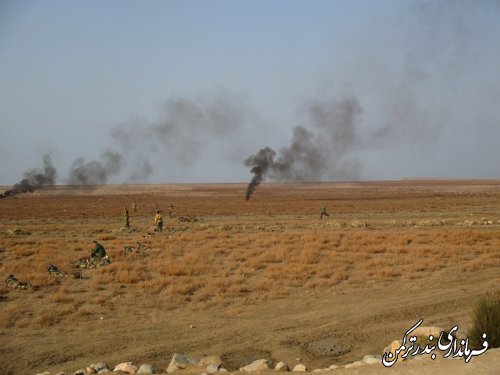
(258, 365)
(126, 367)
(299, 368)
(99, 366)
(212, 368)
(91, 370)
(334, 367)
(371, 359)
(191, 326)
(354, 364)
(427, 331)
(282, 366)
(104, 371)
(222, 369)
(79, 372)
(209, 360)
(180, 361)
(146, 369)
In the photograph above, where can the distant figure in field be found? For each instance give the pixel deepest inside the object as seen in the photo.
(134, 206)
(323, 211)
(12, 282)
(158, 222)
(98, 251)
(125, 213)
(54, 271)
(97, 258)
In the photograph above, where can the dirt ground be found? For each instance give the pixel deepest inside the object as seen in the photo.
(244, 280)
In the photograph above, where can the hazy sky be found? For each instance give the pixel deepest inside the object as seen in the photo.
(186, 91)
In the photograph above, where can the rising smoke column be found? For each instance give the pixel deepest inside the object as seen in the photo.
(34, 179)
(260, 164)
(317, 154)
(95, 172)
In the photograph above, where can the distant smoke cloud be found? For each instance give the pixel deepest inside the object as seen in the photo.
(181, 134)
(34, 179)
(95, 172)
(141, 173)
(317, 154)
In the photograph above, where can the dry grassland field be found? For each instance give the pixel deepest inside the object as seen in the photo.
(263, 279)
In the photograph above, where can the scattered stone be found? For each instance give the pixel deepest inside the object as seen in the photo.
(334, 367)
(91, 370)
(79, 372)
(146, 369)
(103, 371)
(99, 366)
(282, 366)
(354, 364)
(258, 365)
(180, 361)
(371, 359)
(212, 368)
(299, 368)
(126, 367)
(209, 360)
(191, 326)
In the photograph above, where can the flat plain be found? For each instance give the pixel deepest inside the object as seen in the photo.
(244, 280)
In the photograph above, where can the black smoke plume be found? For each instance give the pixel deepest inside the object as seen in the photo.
(34, 179)
(95, 172)
(313, 155)
(260, 164)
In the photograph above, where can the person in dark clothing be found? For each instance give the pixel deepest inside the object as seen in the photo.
(98, 250)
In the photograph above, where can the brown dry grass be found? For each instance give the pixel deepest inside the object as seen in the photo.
(238, 254)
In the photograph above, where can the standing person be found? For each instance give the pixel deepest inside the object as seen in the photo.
(323, 211)
(134, 206)
(158, 222)
(98, 250)
(125, 212)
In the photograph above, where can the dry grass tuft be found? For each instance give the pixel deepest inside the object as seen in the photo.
(236, 255)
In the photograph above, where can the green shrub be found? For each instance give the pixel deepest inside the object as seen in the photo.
(486, 319)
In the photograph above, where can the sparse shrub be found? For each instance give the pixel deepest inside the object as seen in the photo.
(486, 319)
